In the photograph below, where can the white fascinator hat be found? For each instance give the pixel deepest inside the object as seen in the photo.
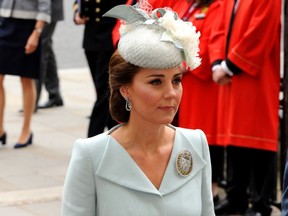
(155, 39)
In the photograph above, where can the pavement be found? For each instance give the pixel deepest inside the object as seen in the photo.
(31, 179)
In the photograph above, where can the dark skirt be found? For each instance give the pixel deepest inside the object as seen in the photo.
(14, 34)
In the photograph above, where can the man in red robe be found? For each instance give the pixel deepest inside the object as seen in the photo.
(246, 57)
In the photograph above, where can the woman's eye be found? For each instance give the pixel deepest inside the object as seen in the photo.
(155, 82)
(177, 80)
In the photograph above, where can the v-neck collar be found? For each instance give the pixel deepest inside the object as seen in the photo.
(118, 167)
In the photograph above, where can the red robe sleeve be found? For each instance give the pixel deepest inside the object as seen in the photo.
(247, 52)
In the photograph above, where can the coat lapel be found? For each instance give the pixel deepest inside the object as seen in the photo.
(118, 167)
(172, 180)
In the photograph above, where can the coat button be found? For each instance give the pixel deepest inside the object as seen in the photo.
(97, 10)
(97, 19)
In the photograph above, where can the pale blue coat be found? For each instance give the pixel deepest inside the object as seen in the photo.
(103, 180)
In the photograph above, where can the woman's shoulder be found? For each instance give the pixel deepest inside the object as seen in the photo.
(96, 143)
(91, 148)
(196, 137)
(191, 132)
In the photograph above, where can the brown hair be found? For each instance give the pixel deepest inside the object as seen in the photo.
(120, 73)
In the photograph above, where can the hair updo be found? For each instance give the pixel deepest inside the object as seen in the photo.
(120, 73)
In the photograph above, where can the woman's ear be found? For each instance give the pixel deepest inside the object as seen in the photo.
(124, 91)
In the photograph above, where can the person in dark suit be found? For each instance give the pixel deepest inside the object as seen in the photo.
(284, 203)
(48, 74)
(99, 48)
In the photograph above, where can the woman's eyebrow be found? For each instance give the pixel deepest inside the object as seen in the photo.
(156, 75)
(162, 75)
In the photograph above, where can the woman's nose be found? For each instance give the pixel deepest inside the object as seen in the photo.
(170, 91)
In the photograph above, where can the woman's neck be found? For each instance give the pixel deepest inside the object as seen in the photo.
(145, 138)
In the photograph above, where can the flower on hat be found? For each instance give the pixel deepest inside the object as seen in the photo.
(183, 35)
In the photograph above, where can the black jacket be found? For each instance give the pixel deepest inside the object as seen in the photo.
(98, 30)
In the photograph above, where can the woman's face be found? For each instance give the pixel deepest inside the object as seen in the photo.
(155, 95)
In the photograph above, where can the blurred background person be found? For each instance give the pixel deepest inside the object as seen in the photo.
(98, 47)
(21, 24)
(199, 104)
(49, 70)
(246, 63)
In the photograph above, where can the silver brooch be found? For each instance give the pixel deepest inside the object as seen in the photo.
(184, 163)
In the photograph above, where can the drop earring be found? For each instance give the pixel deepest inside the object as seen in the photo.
(128, 105)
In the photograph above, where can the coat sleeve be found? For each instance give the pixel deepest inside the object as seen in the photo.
(258, 40)
(284, 204)
(44, 10)
(207, 200)
(79, 194)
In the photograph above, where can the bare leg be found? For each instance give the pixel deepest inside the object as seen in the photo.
(2, 105)
(214, 189)
(29, 97)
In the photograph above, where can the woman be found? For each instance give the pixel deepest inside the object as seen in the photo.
(144, 166)
(198, 108)
(21, 24)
